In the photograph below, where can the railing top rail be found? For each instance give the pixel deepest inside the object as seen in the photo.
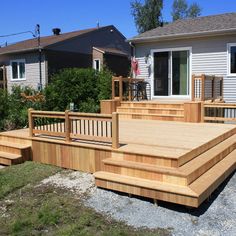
(218, 105)
(35, 112)
(90, 115)
(126, 79)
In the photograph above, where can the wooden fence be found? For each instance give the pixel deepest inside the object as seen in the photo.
(207, 87)
(74, 126)
(219, 112)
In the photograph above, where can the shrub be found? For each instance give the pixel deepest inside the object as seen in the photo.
(4, 107)
(83, 87)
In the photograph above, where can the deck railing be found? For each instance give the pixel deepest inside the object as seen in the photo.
(207, 87)
(74, 126)
(126, 89)
(219, 112)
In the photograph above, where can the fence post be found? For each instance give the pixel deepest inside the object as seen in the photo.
(31, 122)
(67, 126)
(115, 130)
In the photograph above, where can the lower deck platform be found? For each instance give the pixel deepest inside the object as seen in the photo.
(171, 161)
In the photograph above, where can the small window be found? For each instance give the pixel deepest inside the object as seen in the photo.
(232, 59)
(96, 64)
(18, 69)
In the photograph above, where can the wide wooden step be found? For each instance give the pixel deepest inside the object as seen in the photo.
(12, 147)
(200, 164)
(164, 117)
(183, 175)
(147, 188)
(10, 158)
(143, 110)
(209, 181)
(145, 171)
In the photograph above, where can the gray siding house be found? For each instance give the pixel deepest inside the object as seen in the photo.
(168, 56)
(73, 49)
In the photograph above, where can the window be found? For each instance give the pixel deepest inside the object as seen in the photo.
(232, 59)
(96, 64)
(18, 69)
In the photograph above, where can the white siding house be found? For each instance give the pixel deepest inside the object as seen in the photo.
(208, 53)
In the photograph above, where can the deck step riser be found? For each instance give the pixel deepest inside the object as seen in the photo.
(8, 162)
(204, 168)
(151, 105)
(15, 140)
(150, 117)
(150, 193)
(154, 160)
(13, 150)
(145, 174)
(151, 111)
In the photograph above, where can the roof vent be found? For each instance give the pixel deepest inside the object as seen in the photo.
(56, 31)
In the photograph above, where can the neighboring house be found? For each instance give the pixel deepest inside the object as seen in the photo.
(168, 56)
(74, 49)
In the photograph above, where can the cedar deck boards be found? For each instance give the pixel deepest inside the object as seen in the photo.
(171, 161)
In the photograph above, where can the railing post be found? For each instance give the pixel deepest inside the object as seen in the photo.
(121, 88)
(202, 112)
(31, 122)
(213, 88)
(203, 87)
(67, 126)
(193, 87)
(115, 130)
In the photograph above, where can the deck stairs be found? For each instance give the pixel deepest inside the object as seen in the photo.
(189, 182)
(13, 151)
(171, 111)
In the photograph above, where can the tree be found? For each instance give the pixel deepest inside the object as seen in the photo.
(181, 10)
(147, 16)
(194, 10)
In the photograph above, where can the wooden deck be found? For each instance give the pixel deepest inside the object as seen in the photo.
(171, 161)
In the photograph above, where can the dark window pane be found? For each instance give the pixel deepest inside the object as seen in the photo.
(22, 69)
(233, 59)
(14, 70)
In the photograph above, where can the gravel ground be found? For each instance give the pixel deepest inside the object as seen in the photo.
(213, 218)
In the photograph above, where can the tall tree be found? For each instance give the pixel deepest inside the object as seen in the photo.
(181, 10)
(147, 15)
(194, 10)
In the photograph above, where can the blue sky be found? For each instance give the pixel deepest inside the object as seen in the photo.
(72, 15)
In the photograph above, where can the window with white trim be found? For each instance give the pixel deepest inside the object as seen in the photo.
(18, 69)
(96, 64)
(232, 59)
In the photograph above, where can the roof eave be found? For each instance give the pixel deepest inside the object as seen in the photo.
(182, 36)
(20, 51)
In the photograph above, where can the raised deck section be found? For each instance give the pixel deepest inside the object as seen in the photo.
(170, 161)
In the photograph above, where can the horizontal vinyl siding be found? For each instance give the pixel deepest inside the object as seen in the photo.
(31, 71)
(209, 56)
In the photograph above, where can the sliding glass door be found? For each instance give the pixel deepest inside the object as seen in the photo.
(171, 73)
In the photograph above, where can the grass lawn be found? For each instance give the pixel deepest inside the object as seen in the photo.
(28, 208)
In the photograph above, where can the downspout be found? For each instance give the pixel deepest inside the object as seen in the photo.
(132, 55)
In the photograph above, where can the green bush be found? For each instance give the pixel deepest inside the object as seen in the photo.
(83, 87)
(4, 108)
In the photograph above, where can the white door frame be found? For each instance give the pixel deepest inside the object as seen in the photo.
(152, 51)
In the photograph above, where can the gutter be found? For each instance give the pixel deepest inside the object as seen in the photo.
(183, 36)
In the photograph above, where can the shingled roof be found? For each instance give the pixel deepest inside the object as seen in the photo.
(32, 44)
(207, 25)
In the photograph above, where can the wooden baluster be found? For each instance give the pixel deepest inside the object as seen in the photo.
(67, 126)
(115, 130)
(193, 87)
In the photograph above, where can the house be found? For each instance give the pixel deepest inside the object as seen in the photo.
(169, 56)
(27, 65)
